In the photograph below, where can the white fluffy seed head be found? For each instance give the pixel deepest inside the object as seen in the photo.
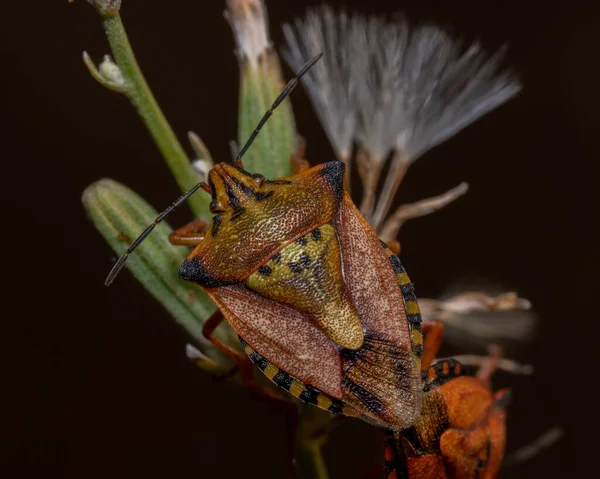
(391, 86)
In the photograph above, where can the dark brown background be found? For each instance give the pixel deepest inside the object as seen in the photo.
(96, 379)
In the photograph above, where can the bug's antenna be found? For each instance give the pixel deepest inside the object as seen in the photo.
(238, 162)
(119, 264)
(284, 93)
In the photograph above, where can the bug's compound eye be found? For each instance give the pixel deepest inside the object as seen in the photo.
(258, 178)
(216, 206)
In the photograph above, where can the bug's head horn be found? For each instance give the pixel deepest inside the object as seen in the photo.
(231, 185)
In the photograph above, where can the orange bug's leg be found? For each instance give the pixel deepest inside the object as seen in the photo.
(489, 366)
(394, 246)
(390, 456)
(243, 363)
(189, 235)
(433, 332)
(299, 163)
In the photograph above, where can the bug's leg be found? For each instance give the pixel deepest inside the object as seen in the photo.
(189, 235)
(241, 360)
(489, 366)
(243, 363)
(392, 460)
(433, 332)
(394, 246)
(299, 163)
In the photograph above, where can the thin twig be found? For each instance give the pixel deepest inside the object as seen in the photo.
(390, 228)
(398, 168)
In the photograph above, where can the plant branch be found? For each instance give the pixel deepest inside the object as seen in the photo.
(309, 460)
(135, 87)
(389, 230)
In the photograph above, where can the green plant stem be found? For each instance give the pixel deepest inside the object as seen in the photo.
(140, 95)
(310, 463)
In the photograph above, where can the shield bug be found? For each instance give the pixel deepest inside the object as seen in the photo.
(461, 431)
(321, 305)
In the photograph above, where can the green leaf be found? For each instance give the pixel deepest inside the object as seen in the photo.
(120, 215)
(260, 85)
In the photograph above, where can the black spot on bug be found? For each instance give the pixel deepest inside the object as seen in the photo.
(396, 265)
(333, 172)
(247, 191)
(276, 257)
(283, 380)
(265, 270)
(295, 267)
(260, 362)
(418, 350)
(336, 407)
(262, 195)
(192, 270)
(303, 241)
(309, 395)
(305, 261)
(384, 244)
(350, 355)
(414, 320)
(372, 402)
(233, 200)
(316, 234)
(408, 292)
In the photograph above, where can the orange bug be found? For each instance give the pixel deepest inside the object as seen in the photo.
(461, 431)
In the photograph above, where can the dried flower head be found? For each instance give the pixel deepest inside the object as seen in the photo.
(330, 82)
(392, 88)
(248, 20)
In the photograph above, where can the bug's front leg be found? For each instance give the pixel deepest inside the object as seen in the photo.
(189, 235)
(243, 363)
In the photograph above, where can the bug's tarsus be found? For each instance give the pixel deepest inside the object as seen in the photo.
(237, 162)
(284, 93)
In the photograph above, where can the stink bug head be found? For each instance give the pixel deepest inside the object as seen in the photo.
(255, 218)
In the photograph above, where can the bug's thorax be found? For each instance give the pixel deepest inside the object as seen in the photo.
(255, 218)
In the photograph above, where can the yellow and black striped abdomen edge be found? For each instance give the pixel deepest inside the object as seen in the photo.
(294, 386)
(413, 315)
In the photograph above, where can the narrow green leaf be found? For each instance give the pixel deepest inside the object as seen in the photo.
(120, 215)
